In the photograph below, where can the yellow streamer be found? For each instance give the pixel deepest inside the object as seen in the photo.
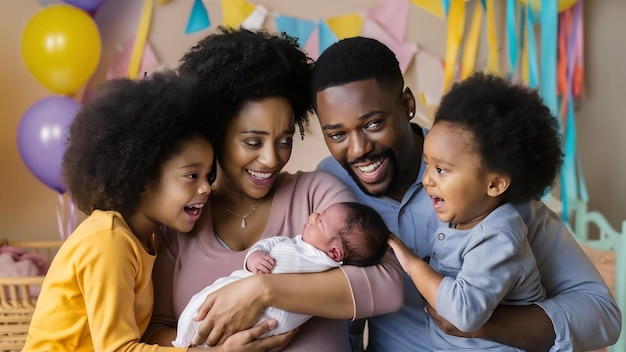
(456, 24)
(525, 59)
(471, 43)
(140, 39)
(492, 58)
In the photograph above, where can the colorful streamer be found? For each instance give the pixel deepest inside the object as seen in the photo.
(511, 35)
(66, 215)
(140, 39)
(456, 24)
(471, 43)
(492, 40)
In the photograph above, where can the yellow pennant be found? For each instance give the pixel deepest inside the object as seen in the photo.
(432, 6)
(456, 24)
(346, 26)
(236, 11)
(471, 43)
(140, 39)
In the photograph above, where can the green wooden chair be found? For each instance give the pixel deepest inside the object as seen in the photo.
(608, 240)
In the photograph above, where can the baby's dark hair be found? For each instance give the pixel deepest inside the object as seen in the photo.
(356, 59)
(364, 236)
(243, 65)
(514, 131)
(119, 140)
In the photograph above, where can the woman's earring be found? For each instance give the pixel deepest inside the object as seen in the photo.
(411, 114)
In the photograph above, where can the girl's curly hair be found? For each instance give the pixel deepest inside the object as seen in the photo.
(119, 140)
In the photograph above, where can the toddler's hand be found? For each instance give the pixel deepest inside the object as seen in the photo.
(404, 254)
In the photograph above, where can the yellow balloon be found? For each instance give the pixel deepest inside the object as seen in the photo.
(563, 4)
(61, 47)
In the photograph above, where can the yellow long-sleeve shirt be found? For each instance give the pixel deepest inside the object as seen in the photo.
(97, 295)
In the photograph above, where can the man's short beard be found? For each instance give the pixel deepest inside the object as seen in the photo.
(393, 164)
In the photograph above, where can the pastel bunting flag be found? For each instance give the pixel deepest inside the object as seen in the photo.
(346, 26)
(392, 15)
(312, 46)
(295, 27)
(327, 36)
(236, 11)
(429, 71)
(256, 19)
(198, 19)
(404, 51)
(435, 7)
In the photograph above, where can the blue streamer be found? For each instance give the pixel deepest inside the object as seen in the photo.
(445, 4)
(532, 50)
(549, 16)
(512, 36)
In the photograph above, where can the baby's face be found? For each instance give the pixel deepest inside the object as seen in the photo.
(322, 229)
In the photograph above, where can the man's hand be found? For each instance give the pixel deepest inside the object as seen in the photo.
(445, 325)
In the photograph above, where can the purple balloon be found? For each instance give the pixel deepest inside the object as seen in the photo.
(41, 138)
(87, 5)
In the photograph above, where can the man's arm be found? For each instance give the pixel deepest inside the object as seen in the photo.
(533, 328)
(577, 295)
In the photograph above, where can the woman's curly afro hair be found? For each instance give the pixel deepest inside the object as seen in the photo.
(514, 132)
(119, 140)
(243, 65)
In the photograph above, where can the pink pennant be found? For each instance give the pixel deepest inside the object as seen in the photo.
(404, 51)
(312, 46)
(119, 67)
(393, 16)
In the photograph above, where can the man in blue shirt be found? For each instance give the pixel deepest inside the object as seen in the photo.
(365, 112)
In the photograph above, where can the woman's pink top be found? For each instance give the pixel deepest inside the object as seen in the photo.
(187, 262)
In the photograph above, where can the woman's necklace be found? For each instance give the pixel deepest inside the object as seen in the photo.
(243, 217)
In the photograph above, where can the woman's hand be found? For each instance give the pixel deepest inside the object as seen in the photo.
(247, 340)
(232, 308)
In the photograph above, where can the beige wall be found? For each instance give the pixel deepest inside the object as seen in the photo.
(28, 208)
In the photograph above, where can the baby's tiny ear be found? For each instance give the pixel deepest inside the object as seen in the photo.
(335, 254)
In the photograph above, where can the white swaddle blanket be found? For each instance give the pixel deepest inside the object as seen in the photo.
(292, 255)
